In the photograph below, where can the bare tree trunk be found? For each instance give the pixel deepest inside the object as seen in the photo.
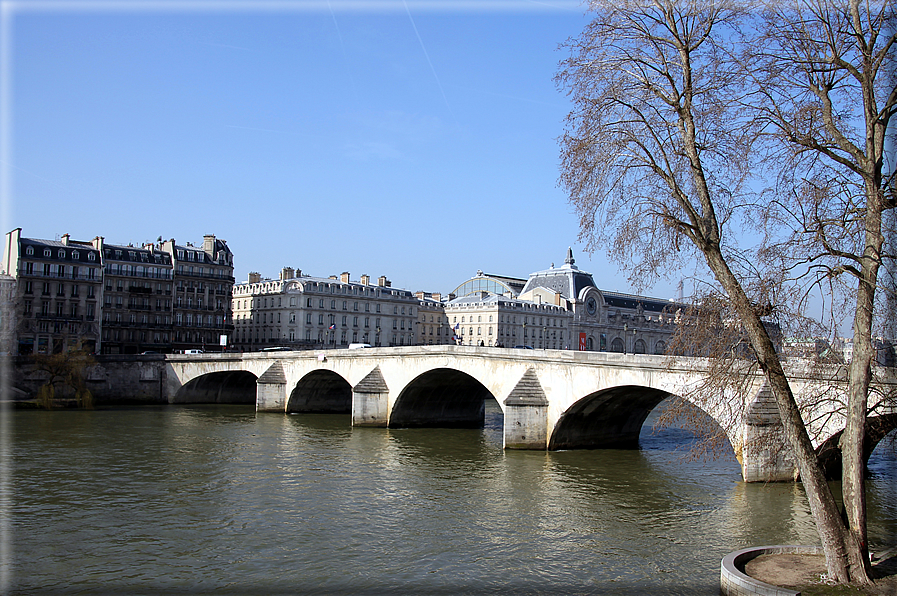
(842, 556)
(860, 377)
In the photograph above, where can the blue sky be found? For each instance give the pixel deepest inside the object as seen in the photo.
(415, 139)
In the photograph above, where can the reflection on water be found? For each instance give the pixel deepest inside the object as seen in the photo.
(217, 498)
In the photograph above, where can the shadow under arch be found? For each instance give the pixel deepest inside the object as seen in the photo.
(229, 387)
(607, 419)
(444, 398)
(321, 392)
(829, 453)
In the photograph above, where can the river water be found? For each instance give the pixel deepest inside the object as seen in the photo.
(197, 499)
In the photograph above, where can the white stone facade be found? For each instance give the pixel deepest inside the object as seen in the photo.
(559, 308)
(303, 312)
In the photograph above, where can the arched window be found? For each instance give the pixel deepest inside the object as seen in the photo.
(660, 347)
(616, 345)
(640, 347)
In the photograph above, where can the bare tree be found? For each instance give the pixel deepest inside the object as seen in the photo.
(64, 370)
(671, 125)
(826, 96)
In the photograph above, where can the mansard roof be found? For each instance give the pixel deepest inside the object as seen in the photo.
(568, 280)
(73, 245)
(620, 300)
(153, 255)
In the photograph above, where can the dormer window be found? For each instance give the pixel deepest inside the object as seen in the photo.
(29, 251)
(61, 253)
(47, 252)
(75, 255)
(132, 255)
(91, 256)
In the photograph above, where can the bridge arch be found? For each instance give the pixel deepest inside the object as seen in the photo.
(321, 391)
(226, 387)
(829, 453)
(608, 419)
(442, 397)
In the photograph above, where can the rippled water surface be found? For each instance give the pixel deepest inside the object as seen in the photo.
(219, 499)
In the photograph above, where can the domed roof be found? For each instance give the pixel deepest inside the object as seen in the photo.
(567, 280)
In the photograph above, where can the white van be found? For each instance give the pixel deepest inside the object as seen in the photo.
(358, 346)
(193, 352)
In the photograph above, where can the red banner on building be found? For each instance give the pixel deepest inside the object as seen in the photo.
(582, 342)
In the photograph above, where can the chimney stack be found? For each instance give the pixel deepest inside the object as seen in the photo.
(344, 277)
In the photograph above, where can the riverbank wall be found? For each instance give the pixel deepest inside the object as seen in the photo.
(111, 380)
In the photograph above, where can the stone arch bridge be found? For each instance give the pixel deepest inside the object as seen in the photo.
(551, 399)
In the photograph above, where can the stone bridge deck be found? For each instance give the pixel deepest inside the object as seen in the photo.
(551, 399)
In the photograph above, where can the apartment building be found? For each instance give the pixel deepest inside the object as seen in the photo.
(301, 312)
(118, 299)
(58, 293)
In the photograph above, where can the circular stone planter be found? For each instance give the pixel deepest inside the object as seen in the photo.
(734, 582)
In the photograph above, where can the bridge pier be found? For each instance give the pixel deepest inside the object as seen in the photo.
(764, 455)
(370, 401)
(271, 390)
(526, 415)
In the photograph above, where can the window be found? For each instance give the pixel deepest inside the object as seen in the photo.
(29, 251)
(91, 257)
(47, 253)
